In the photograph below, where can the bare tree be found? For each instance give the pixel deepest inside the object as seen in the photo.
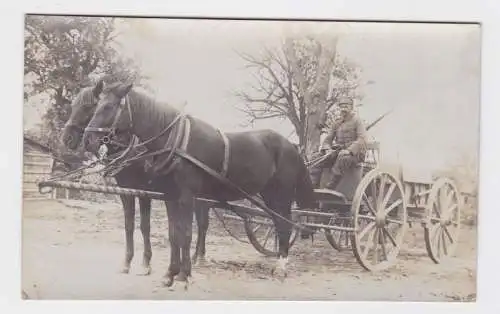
(300, 80)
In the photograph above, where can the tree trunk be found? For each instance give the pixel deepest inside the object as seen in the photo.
(314, 96)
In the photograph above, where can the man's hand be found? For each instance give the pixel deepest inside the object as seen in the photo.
(323, 150)
(344, 152)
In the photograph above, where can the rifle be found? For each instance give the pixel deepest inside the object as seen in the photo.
(369, 126)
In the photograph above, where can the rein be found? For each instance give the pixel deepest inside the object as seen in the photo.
(253, 199)
(176, 139)
(179, 142)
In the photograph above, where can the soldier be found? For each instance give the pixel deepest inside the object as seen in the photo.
(349, 135)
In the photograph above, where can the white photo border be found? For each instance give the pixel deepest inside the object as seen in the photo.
(12, 18)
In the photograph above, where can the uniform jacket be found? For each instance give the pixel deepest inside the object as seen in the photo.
(350, 133)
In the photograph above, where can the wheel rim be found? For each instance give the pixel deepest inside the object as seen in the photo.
(265, 234)
(443, 220)
(262, 234)
(379, 210)
(339, 240)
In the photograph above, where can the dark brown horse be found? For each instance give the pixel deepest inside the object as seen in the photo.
(82, 109)
(255, 162)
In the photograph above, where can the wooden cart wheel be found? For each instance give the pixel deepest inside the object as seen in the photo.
(262, 234)
(379, 219)
(442, 227)
(229, 221)
(329, 201)
(340, 240)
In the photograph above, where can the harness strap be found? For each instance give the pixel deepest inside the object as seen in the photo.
(253, 199)
(225, 162)
(123, 102)
(182, 133)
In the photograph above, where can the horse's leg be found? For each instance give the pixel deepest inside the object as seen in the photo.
(202, 220)
(284, 230)
(279, 202)
(173, 237)
(185, 227)
(145, 208)
(129, 214)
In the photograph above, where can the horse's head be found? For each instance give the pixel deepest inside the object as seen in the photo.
(82, 110)
(112, 117)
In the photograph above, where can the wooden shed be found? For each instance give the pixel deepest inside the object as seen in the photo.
(37, 165)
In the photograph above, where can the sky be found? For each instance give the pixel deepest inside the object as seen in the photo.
(428, 74)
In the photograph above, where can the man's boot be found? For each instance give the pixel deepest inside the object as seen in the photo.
(332, 185)
(315, 175)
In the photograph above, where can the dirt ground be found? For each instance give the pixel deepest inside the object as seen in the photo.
(75, 249)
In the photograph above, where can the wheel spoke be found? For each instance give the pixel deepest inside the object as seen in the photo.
(394, 221)
(266, 237)
(438, 234)
(382, 242)
(374, 191)
(368, 228)
(370, 206)
(393, 205)
(445, 249)
(442, 200)
(257, 228)
(452, 208)
(371, 218)
(447, 232)
(434, 232)
(388, 195)
(375, 246)
(435, 209)
(367, 245)
(339, 237)
(449, 197)
(381, 191)
(389, 235)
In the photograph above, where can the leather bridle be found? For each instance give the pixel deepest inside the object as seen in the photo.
(134, 143)
(112, 131)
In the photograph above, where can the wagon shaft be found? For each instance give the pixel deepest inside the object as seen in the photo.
(99, 189)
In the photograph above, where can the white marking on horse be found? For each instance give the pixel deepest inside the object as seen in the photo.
(282, 263)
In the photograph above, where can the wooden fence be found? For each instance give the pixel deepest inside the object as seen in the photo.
(36, 166)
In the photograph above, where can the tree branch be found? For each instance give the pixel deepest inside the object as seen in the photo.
(270, 71)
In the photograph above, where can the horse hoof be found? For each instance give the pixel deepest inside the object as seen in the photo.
(281, 272)
(125, 270)
(168, 282)
(202, 261)
(181, 277)
(146, 271)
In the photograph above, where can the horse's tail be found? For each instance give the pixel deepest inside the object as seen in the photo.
(305, 191)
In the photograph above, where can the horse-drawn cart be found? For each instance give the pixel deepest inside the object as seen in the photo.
(368, 213)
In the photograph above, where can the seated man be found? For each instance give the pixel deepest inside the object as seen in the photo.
(349, 135)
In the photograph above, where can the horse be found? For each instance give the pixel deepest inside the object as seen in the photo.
(82, 109)
(193, 159)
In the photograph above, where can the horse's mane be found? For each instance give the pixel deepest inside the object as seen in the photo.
(85, 96)
(151, 109)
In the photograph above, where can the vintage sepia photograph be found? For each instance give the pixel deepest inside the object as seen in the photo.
(249, 159)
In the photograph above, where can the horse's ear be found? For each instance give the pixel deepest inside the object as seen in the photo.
(125, 89)
(98, 88)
